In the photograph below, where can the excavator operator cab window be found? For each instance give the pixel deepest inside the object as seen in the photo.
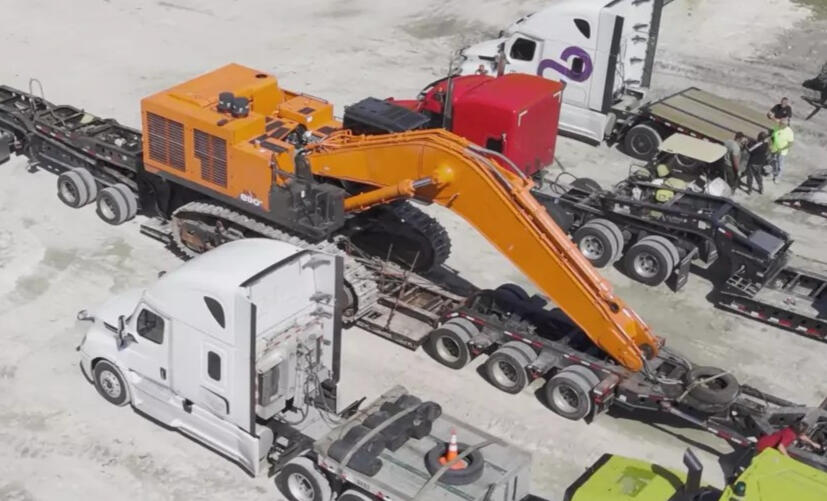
(523, 49)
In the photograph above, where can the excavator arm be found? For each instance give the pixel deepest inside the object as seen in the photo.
(437, 166)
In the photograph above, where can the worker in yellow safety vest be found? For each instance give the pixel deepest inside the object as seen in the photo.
(780, 142)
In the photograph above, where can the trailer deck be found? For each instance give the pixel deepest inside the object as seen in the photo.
(702, 114)
(403, 475)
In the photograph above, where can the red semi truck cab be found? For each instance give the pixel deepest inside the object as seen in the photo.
(514, 114)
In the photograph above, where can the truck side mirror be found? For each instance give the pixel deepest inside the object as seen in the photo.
(123, 339)
(694, 471)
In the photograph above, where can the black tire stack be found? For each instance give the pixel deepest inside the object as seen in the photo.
(417, 424)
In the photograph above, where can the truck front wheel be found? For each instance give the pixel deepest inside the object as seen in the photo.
(110, 383)
(299, 480)
(642, 142)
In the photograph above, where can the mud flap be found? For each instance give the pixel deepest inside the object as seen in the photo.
(5, 146)
(680, 275)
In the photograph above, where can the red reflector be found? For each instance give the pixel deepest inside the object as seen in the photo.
(785, 323)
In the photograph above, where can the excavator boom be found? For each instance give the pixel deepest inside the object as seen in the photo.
(437, 166)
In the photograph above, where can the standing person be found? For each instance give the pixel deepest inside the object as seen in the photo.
(759, 152)
(781, 110)
(732, 159)
(781, 141)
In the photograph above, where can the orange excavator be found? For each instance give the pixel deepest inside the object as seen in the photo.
(231, 155)
(237, 141)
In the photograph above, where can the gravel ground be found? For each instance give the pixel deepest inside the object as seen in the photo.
(59, 440)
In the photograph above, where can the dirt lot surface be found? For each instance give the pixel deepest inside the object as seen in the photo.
(60, 441)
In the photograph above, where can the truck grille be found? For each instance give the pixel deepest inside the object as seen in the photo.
(166, 141)
(212, 152)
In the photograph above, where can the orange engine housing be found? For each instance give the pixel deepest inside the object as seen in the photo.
(189, 140)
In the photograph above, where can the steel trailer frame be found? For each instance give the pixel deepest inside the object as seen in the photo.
(757, 279)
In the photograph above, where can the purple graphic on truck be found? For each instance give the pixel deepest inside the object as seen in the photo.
(575, 74)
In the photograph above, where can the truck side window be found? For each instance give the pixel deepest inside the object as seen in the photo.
(150, 326)
(215, 309)
(523, 49)
(584, 27)
(214, 365)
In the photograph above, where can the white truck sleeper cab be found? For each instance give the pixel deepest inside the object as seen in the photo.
(603, 50)
(229, 337)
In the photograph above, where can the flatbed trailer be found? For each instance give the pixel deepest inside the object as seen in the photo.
(748, 256)
(692, 111)
(405, 474)
(810, 196)
(524, 341)
(412, 310)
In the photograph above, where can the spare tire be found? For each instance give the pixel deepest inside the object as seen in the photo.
(470, 474)
(587, 184)
(714, 395)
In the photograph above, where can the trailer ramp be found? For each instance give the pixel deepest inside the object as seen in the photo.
(810, 196)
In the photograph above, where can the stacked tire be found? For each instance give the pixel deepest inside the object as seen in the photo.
(116, 204)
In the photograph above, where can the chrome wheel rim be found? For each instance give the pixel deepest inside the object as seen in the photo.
(69, 191)
(646, 265)
(504, 373)
(107, 208)
(111, 384)
(565, 398)
(300, 487)
(591, 247)
(448, 349)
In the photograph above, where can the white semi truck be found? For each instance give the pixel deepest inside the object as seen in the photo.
(604, 51)
(240, 350)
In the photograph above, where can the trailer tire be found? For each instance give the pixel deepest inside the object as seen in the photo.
(131, 200)
(89, 180)
(470, 474)
(668, 245)
(351, 495)
(72, 190)
(587, 184)
(113, 207)
(648, 262)
(597, 244)
(505, 370)
(717, 395)
(567, 394)
(586, 373)
(110, 383)
(468, 328)
(449, 347)
(517, 292)
(615, 230)
(299, 480)
(642, 142)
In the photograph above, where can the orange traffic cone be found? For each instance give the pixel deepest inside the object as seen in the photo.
(452, 453)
